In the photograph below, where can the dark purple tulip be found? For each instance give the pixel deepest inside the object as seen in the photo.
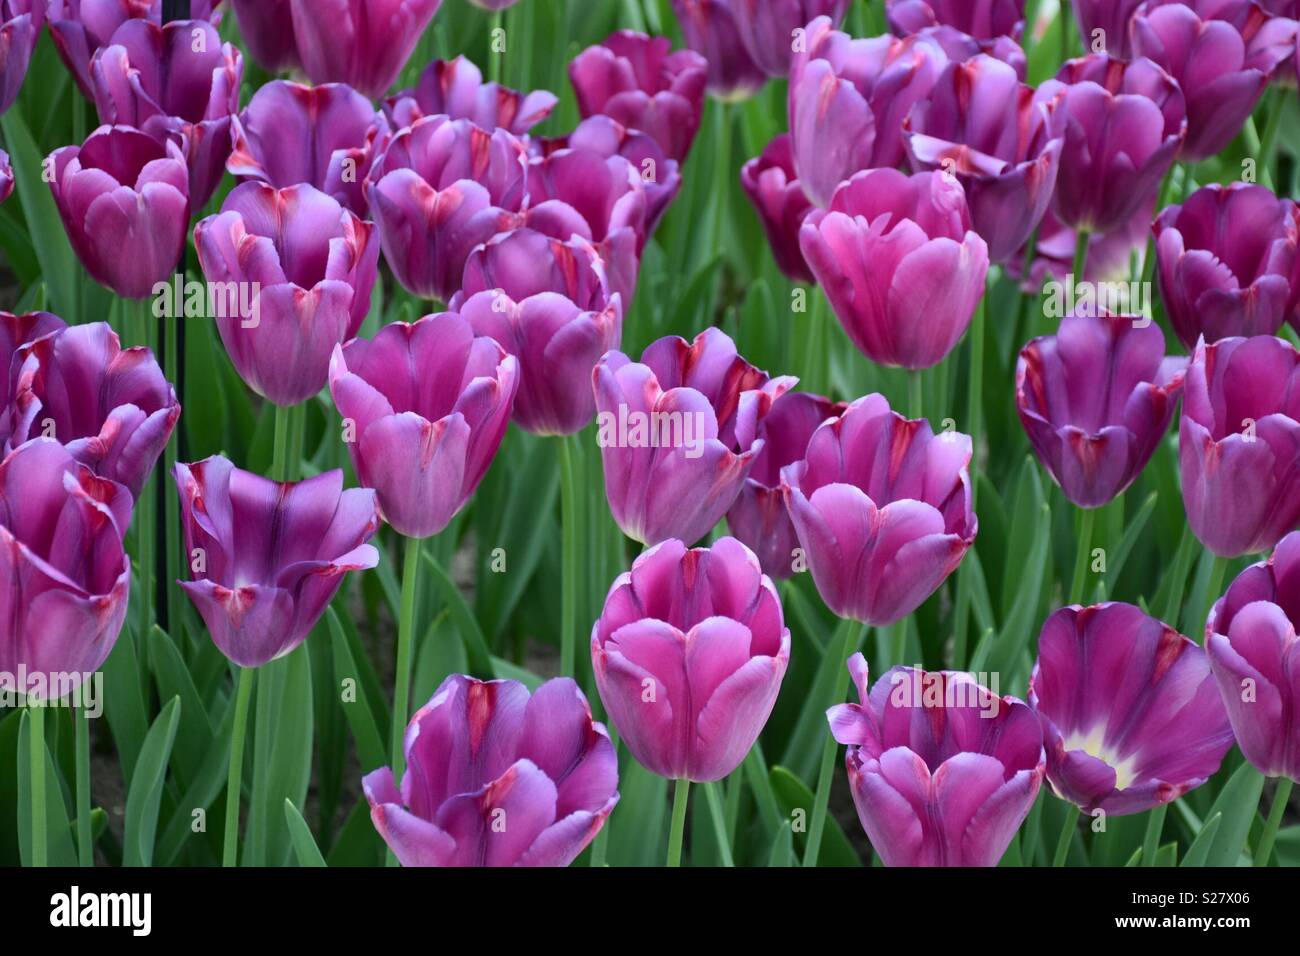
(495, 777)
(1096, 399)
(110, 407)
(64, 575)
(20, 28)
(1227, 263)
(267, 557)
(6, 177)
(982, 19)
(442, 188)
(769, 28)
(326, 136)
(638, 81)
(309, 266)
(523, 263)
(899, 263)
(363, 43)
(1123, 124)
(710, 28)
(1131, 717)
(773, 188)
(942, 770)
(882, 508)
(848, 99)
(689, 653)
(1112, 17)
(1250, 639)
(961, 47)
(1239, 444)
(455, 88)
(123, 197)
(758, 518)
(557, 345)
(17, 331)
(679, 432)
(425, 407)
(266, 27)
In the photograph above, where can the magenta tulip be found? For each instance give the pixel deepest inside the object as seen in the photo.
(770, 29)
(17, 331)
(710, 28)
(524, 262)
(266, 27)
(1112, 17)
(773, 188)
(983, 19)
(942, 770)
(1131, 717)
(425, 407)
(689, 653)
(496, 777)
(363, 43)
(20, 28)
(455, 89)
(960, 47)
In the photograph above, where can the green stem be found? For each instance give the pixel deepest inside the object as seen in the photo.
(1281, 797)
(85, 846)
(1276, 106)
(1079, 271)
(405, 640)
(36, 726)
(1067, 836)
(172, 501)
(280, 450)
(975, 394)
(1178, 586)
(1064, 16)
(569, 554)
(915, 401)
(719, 822)
(722, 180)
(1083, 557)
(495, 66)
(1213, 590)
(681, 792)
(235, 771)
(1151, 841)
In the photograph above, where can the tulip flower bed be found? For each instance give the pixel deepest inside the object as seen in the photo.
(491, 433)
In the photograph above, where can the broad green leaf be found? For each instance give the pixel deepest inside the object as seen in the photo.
(304, 844)
(476, 647)
(1198, 854)
(793, 796)
(145, 792)
(282, 755)
(369, 740)
(62, 850)
(1237, 802)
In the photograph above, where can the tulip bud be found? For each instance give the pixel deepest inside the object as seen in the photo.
(773, 188)
(710, 29)
(455, 89)
(266, 27)
(20, 28)
(363, 43)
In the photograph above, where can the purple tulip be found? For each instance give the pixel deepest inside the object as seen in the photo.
(679, 433)
(689, 653)
(1239, 444)
(1123, 124)
(942, 770)
(495, 777)
(1131, 717)
(309, 266)
(847, 102)
(1109, 253)
(769, 28)
(557, 345)
(64, 575)
(425, 407)
(455, 88)
(442, 188)
(523, 263)
(960, 47)
(882, 508)
(266, 27)
(1227, 263)
(6, 177)
(1096, 399)
(17, 331)
(899, 263)
(982, 19)
(758, 517)
(1112, 18)
(111, 408)
(1250, 639)
(20, 28)
(363, 43)
(773, 188)
(267, 557)
(123, 197)
(710, 28)
(1002, 142)
(326, 136)
(638, 81)
(175, 80)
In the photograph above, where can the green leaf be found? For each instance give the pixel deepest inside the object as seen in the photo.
(782, 853)
(174, 680)
(792, 795)
(304, 844)
(1199, 852)
(282, 754)
(638, 828)
(124, 697)
(146, 788)
(361, 719)
(62, 851)
(1119, 555)
(1023, 615)
(208, 782)
(1237, 802)
(476, 647)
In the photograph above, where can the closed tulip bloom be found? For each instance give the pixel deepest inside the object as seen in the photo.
(312, 265)
(123, 197)
(111, 407)
(689, 653)
(1131, 717)
(1239, 444)
(773, 188)
(266, 27)
(899, 263)
(64, 575)
(847, 102)
(557, 345)
(983, 19)
(480, 753)
(882, 508)
(1112, 17)
(174, 80)
(1227, 263)
(961, 47)
(710, 28)
(679, 433)
(758, 518)
(769, 28)
(363, 43)
(17, 331)
(660, 175)
(267, 557)
(20, 28)
(942, 770)
(455, 88)
(1096, 400)
(1250, 639)
(326, 136)
(440, 189)
(524, 262)
(1002, 142)
(642, 84)
(425, 406)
